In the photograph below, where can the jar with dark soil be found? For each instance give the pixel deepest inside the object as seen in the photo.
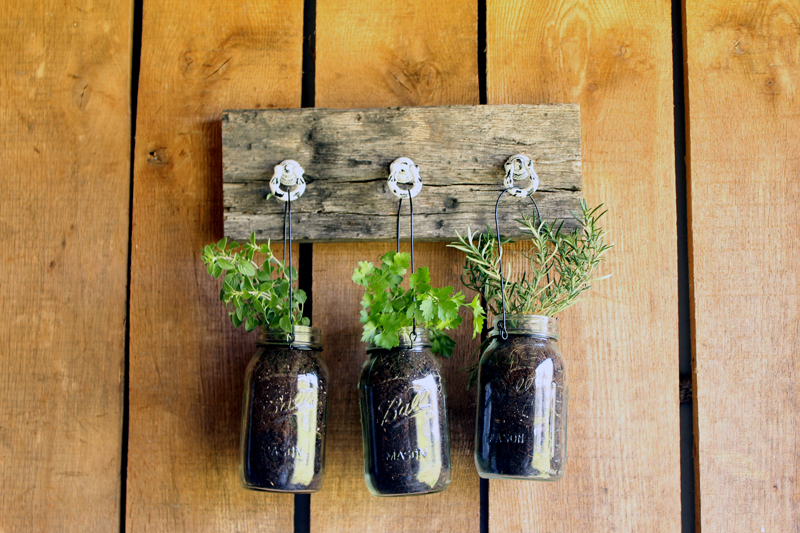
(521, 429)
(404, 419)
(285, 413)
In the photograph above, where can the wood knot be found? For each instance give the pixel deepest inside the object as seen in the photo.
(157, 157)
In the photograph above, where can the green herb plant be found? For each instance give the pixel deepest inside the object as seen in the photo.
(256, 295)
(562, 266)
(388, 307)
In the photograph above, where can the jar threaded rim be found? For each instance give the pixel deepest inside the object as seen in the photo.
(527, 324)
(305, 337)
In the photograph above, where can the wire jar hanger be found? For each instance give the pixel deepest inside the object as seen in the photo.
(289, 174)
(404, 171)
(518, 167)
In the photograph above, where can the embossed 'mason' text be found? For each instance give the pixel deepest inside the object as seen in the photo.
(406, 455)
(513, 438)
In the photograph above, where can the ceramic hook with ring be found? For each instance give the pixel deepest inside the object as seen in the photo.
(521, 167)
(289, 174)
(403, 170)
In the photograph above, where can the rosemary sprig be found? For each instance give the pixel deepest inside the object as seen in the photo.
(562, 265)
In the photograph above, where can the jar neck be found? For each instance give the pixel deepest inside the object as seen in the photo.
(301, 338)
(409, 340)
(524, 324)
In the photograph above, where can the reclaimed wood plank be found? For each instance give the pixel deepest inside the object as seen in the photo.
(621, 345)
(64, 221)
(187, 361)
(744, 140)
(346, 156)
(407, 52)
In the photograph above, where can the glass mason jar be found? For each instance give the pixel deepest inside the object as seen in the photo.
(285, 412)
(404, 419)
(521, 429)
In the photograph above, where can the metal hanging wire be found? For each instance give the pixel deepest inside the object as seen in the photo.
(403, 170)
(287, 215)
(411, 211)
(524, 168)
(289, 174)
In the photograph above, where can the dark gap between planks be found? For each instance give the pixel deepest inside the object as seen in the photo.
(136, 60)
(302, 502)
(483, 99)
(688, 511)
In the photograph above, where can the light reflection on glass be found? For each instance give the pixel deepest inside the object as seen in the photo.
(305, 415)
(426, 420)
(544, 416)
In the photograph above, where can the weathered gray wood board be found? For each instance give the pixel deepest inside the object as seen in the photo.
(346, 155)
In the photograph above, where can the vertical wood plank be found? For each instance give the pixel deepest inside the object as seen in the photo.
(65, 145)
(621, 345)
(744, 138)
(186, 360)
(406, 52)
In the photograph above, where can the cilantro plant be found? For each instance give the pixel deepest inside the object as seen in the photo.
(562, 265)
(387, 306)
(256, 295)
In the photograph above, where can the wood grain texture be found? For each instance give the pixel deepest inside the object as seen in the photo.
(346, 155)
(745, 235)
(372, 54)
(65, 145)
(187, 361)
(621, 345)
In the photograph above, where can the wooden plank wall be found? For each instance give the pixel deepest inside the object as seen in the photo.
(186, 360)
(411, 53)
(744, 199)
(621, 345)
(65, 218)
(65, 149)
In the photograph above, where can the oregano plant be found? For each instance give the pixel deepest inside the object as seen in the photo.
(388, 306)
(255, 294)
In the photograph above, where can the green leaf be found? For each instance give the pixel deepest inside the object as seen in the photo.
(448, 311)
(251, 323)
(224, 263)
(428, 309)
(442, 344)
(286, 324)
(246, 268)
(478, 316)
(222, 242)
(362, 272)
(300, 296)
(421, 276)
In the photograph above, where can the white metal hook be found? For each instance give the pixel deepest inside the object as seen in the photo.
(289, 174)
(403, 170)
(519, 167)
